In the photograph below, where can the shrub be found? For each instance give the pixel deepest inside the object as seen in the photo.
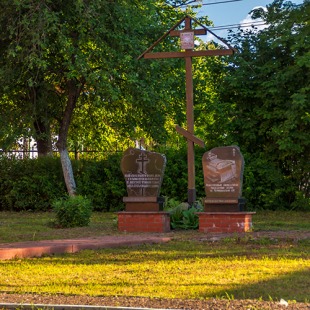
(75, 211)
(102, 182)
(30, 184)
(184, 217)
(265, 185)
(176, 174)
(33, 184)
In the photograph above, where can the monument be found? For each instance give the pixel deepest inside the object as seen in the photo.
(143, 172)
(223, 175)
(224, 207)
(187, 44)
(188, 51)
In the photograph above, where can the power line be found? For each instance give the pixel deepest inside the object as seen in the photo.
(221, 2)
(226, 27)
(212, 3)
(241, 25)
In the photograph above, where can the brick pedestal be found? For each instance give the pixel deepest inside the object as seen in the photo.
(143, 221)
(225, 222)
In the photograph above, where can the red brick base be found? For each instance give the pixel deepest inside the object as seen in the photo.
(225, 222)
(144, 221)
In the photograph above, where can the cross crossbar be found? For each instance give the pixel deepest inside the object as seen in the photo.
(188, 53)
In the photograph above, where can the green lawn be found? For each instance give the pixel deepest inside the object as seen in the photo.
(179, 269)
(232, 268)
(25, 226)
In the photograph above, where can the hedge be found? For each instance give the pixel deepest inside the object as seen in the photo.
(34, 184)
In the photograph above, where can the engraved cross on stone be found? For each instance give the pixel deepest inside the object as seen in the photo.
(142, 161)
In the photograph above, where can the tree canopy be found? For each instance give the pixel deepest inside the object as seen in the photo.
(80, 58)
(69, 71)
(267, 91)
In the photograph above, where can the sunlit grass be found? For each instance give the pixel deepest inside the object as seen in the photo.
(199, 270)
(234, 268)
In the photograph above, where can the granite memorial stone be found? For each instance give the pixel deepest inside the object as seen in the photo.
(143, 172)
(223, 175)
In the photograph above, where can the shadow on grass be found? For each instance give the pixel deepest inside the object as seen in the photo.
(185, 269)
(291, 286)
(178, 251)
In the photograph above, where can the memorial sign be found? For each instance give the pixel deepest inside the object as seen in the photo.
(143, 172)
(223, 175)
(187, 40)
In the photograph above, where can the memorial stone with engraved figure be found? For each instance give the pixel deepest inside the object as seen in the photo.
(223, 174)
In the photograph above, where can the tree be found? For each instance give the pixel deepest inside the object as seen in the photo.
(75, 63)
(267, 89)
(58, 56)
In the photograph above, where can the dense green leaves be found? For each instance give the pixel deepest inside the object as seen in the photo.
(58, 56)
(34, 184)
(69, 70)
(268, 86)
(72, 212)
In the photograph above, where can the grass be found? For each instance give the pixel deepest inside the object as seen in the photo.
(281, 220)
(233, 268)
(27, 226)
(180, 269)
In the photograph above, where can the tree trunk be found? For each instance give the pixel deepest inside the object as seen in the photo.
(41, 126)
(74, 89)
(67, 171)
(43, 138)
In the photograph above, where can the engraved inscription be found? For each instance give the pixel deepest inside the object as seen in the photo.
(143, 172)
(143, 180)
(223, 172)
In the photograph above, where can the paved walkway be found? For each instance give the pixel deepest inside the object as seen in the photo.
(38, 248)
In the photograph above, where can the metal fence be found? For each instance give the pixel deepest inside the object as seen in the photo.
(33, 154)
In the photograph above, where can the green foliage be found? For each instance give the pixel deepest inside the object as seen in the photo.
(182, 216)
(264, 186)
(30, 184)
(102, 182)
(266, 88)
(176, 180)
(52, 48)
(170, 203)
(59, 58)
(74, 211)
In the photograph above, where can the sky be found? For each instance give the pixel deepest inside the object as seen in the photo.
(231, 12)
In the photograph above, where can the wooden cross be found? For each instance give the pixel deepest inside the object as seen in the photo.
(187, 43)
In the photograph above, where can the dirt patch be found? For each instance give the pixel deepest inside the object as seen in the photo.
(292, 236)
(154, 303)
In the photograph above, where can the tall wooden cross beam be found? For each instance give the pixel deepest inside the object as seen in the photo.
(187, 46)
